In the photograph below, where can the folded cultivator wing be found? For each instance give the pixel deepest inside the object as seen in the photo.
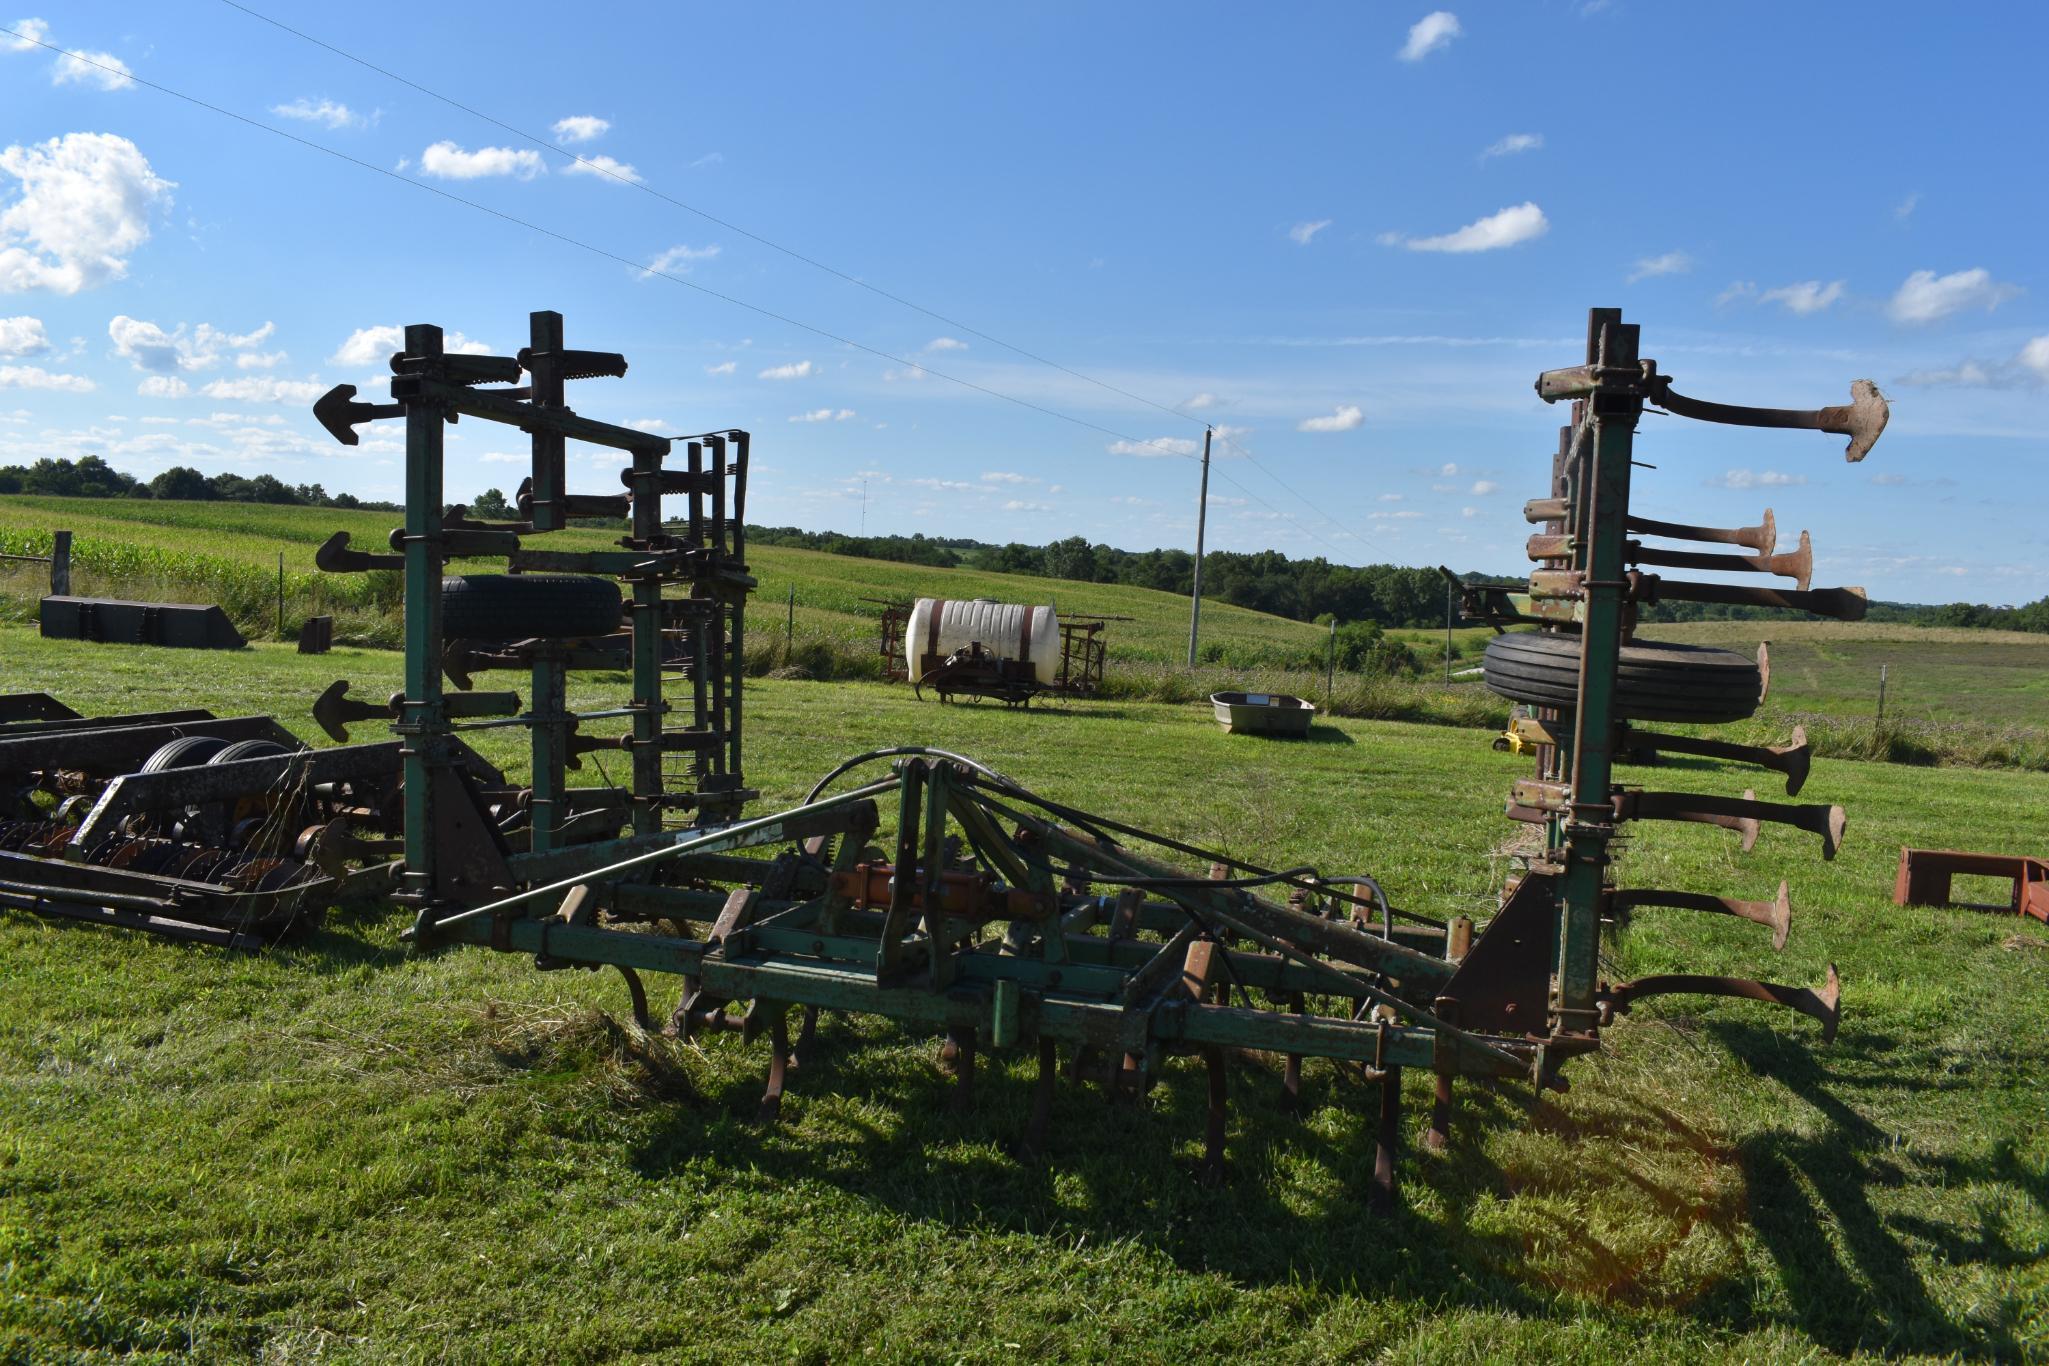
(939, 894)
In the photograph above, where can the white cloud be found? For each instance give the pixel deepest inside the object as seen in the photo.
(1393, 497)
(1347, 416)
(447, 161)
(946, 344)
(1905, 208)
(1671, 263)
(1739, 289)
(1302, 233)
(1469, 512)
(677, 260)
(326, 113)
(1485, 486)
(148, 347)
(22, 337)
(263, 389)
(724, 367)
(1432, 33)
(32, 31)
(1006, 477)
(1202, 401)
(1020, 505)
(2035, 357)
(374, 345)
(83, 209)
(163, 386)
(607, 168)
(35, 377)
(2029, 366)
(1225, 431)
(1513, 143)
(1519, 223)
(259, 360)
(1447, 470)
(824, 415)
(102, 69)
(708, 159)
(945, 485)
(910, 374)
(1809, 296)
(1158, 446)
(1760, 479)
(1926, 296)
(506, 457)
(581, 128)
(802, 369)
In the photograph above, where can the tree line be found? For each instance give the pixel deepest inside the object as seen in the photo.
(1386, 595)
(91, 477)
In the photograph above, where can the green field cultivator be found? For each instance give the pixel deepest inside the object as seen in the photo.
(928, 888)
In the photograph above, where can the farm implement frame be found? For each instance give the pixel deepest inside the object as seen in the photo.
(951, 898)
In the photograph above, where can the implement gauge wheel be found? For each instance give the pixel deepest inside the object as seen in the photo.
(523, 606)
(1654, 681)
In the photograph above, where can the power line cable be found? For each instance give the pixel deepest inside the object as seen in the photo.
(603, 167)
(1157, 443)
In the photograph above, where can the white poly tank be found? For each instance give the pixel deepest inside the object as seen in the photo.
(939, 626)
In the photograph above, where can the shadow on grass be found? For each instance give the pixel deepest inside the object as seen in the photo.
(1534, 1209)
(1847, 1211)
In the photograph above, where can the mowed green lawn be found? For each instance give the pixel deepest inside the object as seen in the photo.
(340, 1150)
(202, 546)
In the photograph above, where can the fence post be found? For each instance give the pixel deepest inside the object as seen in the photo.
(281, 595)
(60, 564)
(790, 629)
(1330, 663)
(1881, 697)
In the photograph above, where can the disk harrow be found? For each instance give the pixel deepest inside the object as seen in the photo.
(188, 825)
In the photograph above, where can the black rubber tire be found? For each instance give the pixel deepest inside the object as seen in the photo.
(1654, 681)
(187, 751)
(248, 749)
(524, 606)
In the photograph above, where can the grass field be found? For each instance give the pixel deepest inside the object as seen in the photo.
(229, 553)
(342, 1151)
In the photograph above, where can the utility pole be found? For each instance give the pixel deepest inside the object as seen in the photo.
(1201, 522)
(1447, 630)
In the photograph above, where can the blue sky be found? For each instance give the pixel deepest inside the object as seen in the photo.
(1350, 234)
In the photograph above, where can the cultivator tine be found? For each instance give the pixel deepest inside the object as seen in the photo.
(1218, 1116)
(1826, 821)
(1791, 758)
(778, 1062)
(1822, 1003)
(1862, 419)
(807, 1034)
(962, 1040)
(1760, 539)
(1680, 806)
(335, 557)
(1438, 1137)
(1775, 915)
(1291, 1072)
(1797, 565)
(1387, 1142)
(1844, 604)
(1033, 1143)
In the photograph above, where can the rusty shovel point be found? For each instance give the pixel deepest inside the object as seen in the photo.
(1863, 419)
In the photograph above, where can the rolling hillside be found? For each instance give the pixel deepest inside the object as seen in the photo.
(228, 553)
